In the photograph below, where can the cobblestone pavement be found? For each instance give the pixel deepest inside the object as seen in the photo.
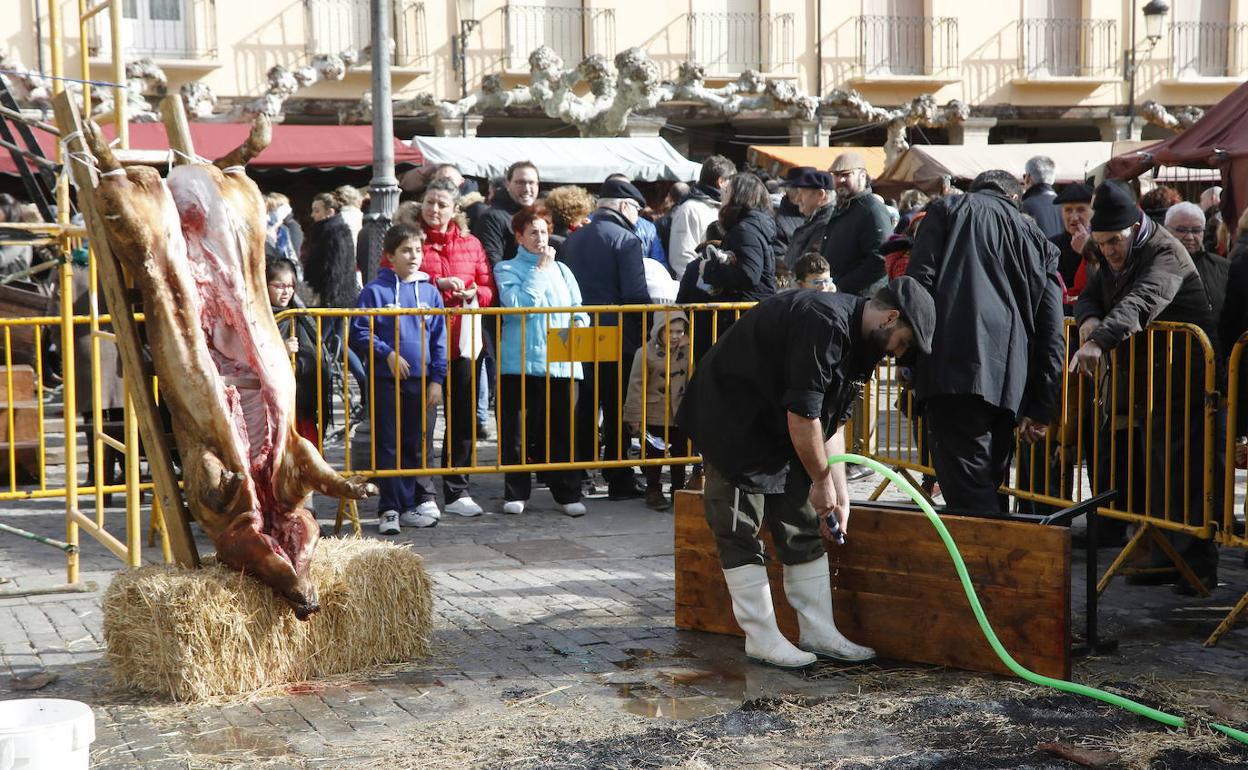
(574, 615)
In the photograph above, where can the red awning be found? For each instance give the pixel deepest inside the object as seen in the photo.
(1218, 140)
(293, 147)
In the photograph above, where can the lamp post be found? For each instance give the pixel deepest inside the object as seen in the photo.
(1154, 16)
(468, 21)
(384, 187)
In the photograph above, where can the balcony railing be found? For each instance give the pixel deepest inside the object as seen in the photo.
(923, 46)
(573, 33)
(729, 43)
(1066, 48)
(334, 26)
(160, 29)
(1202, 49)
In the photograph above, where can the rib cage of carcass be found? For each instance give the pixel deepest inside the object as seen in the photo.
(194, 245)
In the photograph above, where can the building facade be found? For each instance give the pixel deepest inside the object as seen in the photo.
(1030, 70)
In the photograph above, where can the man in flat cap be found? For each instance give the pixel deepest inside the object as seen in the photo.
(996, 359)
(1146, 275)
(1075, 202)
(858, 227)
(767, 406)
(606, 258)
(814, 192)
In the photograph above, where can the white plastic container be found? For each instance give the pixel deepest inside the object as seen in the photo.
(45, 734)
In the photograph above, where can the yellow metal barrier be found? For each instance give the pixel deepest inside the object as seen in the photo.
(1233, 528)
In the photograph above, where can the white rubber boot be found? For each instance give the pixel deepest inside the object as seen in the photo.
(751, 604)
(809, 590)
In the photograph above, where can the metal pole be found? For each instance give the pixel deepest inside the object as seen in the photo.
(384, 187)
(1131, 73)
(464, 31)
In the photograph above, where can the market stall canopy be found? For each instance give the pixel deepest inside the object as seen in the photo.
(1218, 140)
(559, 160)
(923, 165)
(292, 148)
(778, 159)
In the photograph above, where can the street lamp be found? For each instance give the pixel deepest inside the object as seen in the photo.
(467, 10)
(1154, 17)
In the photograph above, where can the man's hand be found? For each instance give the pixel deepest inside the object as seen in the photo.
(1080, 238)
(292, 345)
(1030, 431)
(399, 366)
(823, 493)
(1086, 328)
(1086, 359)
(841, 512)
(434, 396)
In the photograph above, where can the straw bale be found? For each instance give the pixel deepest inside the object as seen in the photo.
(193, 634)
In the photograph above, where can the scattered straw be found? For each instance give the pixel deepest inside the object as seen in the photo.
(194, 634)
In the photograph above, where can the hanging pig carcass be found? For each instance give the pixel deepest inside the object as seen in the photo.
(195, 248)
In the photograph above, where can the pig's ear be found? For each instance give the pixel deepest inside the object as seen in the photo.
(259, 138)
(99, 148)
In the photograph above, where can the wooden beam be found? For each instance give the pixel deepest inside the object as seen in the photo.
(112, 284)
(895, 588)
(173, 113)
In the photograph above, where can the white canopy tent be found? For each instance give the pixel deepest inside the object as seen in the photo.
(564, 160)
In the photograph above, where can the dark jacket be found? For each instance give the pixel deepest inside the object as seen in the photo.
(329, 264)
(493, 227)
(1159, 282)
(1231, 325)
(800, 352)
(788, 219)
(993, 276)
(753, 277)
(1214, 271)
(1038, 202)
(811, 235)
(305, 367)
(605, 257)
(855, 233)
(296, 232)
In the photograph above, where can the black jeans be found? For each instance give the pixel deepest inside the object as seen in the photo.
(565, 486)
(459, 406)
(971, 443)
(676, 445)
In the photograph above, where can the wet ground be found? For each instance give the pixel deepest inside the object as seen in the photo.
(555, 648)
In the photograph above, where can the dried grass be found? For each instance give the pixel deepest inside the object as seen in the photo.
(195, 634)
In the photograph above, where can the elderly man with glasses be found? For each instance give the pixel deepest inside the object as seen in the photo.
(1186, 222)
(1146, 275)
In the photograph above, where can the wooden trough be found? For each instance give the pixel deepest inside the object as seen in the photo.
(895, 588)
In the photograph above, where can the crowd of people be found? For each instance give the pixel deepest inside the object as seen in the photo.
(1027, 252)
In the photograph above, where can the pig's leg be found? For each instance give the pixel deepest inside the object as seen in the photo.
(304, 469)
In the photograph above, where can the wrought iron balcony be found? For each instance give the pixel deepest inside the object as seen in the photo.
(730, 43)
(334, 26)
(573, 33)
(1068, 48)
(914, 46)
(160, 29)
(1202, 49)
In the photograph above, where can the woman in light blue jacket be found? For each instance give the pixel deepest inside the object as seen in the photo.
(534, 279)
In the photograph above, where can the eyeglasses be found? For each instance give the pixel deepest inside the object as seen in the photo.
(1188, 230)
(281, 286)
(820, 282)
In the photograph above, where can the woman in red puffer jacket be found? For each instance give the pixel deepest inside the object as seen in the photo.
(458, 267)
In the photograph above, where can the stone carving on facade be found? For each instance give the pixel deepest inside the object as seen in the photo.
(33, 90)
(1178, 121)
(921, 111)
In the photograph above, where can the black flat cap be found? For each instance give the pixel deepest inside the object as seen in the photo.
(1074, 193)
(1113, 207)
(813, 179)
(619, 188)
(917, 308)
(796, 173)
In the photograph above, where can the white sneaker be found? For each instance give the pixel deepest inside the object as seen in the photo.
(464, 506)
(574, 510)
(430, 509)
(388, 523)
(513, 506)
(417, 519)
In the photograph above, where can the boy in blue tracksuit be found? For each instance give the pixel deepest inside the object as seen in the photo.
(421, 350)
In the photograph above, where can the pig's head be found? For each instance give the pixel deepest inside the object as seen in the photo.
(280, 560)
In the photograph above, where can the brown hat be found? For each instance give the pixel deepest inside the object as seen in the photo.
(848, 161)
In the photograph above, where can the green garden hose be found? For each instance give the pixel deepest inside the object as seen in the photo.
(1169, 720)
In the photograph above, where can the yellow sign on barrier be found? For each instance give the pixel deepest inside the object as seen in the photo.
(582, 343)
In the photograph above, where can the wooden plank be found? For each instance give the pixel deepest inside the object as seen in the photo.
(112, 283)
(177, 128)
(895, 588)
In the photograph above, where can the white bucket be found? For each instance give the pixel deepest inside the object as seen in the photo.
(45, 734)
